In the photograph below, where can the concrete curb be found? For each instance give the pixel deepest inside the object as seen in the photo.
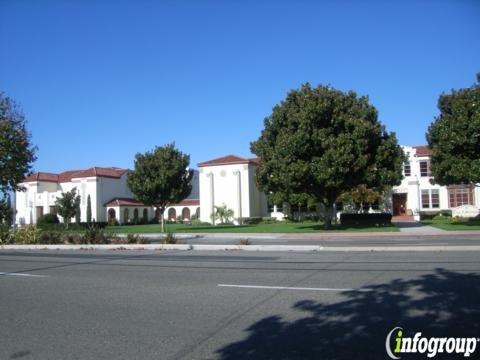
(294, 248)
(311, 236)
(165, 247)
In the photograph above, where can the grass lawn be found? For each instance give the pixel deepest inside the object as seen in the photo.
(305, 227)
(446, 224)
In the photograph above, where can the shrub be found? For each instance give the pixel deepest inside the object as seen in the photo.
(245, 242)
(94, 235)
(46, 220)
(50, 237)
(459, 220)
(251, 220)
(6, 235)
(269, 220)
(74, 227)
(136, 239)
(170, 239)
(435, 215)
(377, 219)
(27, 235)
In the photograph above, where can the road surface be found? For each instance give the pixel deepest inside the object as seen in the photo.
(230, 305)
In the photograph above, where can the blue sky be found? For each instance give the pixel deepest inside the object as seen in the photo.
(102, 80)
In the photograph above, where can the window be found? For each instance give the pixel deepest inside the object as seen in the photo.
(424, 168)
(431, 199)
(53, 209)
(460, 195)
(435, 198)
(406, 168)
(425, 199)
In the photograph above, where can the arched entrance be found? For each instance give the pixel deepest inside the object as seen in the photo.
(126, 216)
(157, 214)
(145, 215)
(172, 214)
(112, 216)
(197, 213)
(186, 213)
(135, 216)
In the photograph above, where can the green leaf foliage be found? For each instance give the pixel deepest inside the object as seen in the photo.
(16, 152)
(89, 209)
(323, 142)
(161, 177)
(67, 205)
(454, 137)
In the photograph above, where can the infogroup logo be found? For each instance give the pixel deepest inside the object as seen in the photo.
(431, 346)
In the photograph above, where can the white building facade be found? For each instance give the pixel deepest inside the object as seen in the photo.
(229, 181)
(111, 199)
(417, 193)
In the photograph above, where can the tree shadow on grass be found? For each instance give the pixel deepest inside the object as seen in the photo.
(441, 304)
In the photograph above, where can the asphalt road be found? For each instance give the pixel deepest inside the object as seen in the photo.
(367, 240)
(230, 305)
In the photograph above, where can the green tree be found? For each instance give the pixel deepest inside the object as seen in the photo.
(78, 214)
(161, 177)
(454, 137)
(89, 209)
(67, 205)
(16, 152)
(324, 142)
(362, 195)
(6, 211)
(223, 214)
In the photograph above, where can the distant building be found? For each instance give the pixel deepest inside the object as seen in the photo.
(229, 180)
(417, 193)
(111, 199)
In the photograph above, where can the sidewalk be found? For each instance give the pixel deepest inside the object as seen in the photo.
(415, 227)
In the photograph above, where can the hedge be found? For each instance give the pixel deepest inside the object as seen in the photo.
(72, 226)
(429, 215)
(377, 219)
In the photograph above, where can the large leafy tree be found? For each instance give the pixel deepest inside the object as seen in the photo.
(17, 154)
(68, 204)
(323, 142)
(161, 177)
(454, 137)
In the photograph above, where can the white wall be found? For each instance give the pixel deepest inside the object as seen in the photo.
(414, 184)
(247, 202)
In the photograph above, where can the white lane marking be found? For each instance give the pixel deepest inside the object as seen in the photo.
(19, 274)
(290, 288)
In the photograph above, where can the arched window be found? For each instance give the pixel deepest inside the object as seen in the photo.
(145, 215)
(197, 213)
(135, 216)
(172, 214)
(125, 216)
(112, 216)
(157, 214)
(186, 213)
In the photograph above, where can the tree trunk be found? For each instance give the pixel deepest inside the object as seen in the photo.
(162, 210)
(329, 213)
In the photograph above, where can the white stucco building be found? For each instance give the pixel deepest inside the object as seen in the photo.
(111, 199)
(417, 193)
(229, 180)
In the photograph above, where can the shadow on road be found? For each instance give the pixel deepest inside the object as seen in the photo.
(441, 304)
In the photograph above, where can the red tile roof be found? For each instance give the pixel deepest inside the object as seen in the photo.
(188, 202)
(229, 160)
(422, 150)
(124, 202)
(42, 176)
(67, 176)
(133, 202)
